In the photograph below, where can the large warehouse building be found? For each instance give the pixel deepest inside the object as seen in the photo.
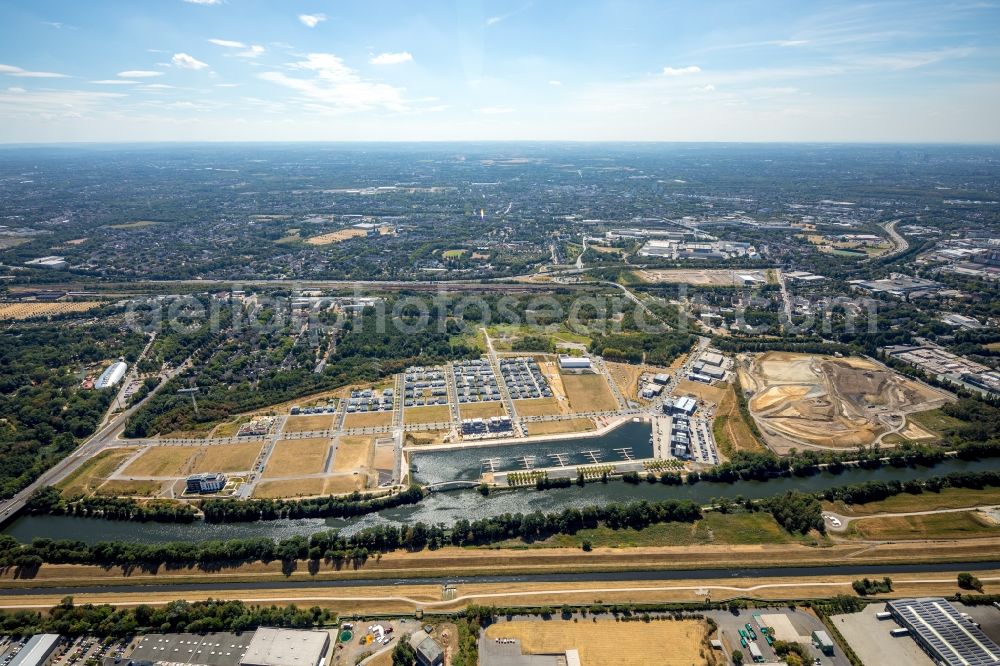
(942, 632)
(286, 647)
(38, 651)
(112, 375)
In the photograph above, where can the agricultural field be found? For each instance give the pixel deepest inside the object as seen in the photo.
(588, 393)
(86, 479)
(433, 414)
(368, 420)
(609, 642)
(808, 400)
(297, 457)
(226, 458)
(308, 423)
(559, 427)
(138, 224)
(20, 311)
(701, 277)
(353, 453)
(481, 410)
(336, 236)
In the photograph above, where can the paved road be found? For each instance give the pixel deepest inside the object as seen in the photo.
(810, 574)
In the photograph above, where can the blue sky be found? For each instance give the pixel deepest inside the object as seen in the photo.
(194, 70)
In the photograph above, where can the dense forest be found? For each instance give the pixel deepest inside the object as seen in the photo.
(43, 411)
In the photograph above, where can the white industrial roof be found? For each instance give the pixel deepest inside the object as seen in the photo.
(285, 647)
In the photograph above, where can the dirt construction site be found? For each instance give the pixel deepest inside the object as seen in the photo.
(813, 401)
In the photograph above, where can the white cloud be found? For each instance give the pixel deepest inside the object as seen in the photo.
(139, 74)
(204, 2)
(184, 61)
(792, 42)
(708, 88)
(681, 71)
(115, 82)
(16, 89)
(493, 20)
(311, 20)
(336, 86)
(391, 58)
(11, 70)
(228, 43)
(553, 82)
(251, 51)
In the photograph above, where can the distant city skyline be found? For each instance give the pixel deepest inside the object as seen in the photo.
(324, 70)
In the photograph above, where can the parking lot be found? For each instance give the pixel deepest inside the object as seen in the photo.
(786, 624)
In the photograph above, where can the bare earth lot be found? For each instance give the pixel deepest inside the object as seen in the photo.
(481, 410)
(821, 401)
(433, 414)
(92, 474)
(352, 453)
(226, 458)
(296, 457)
(588, 393)
(537, 407)
(161, 461)
(368, 420)
(705, 277)
(658, 643)
(557, 427)
(309, 423)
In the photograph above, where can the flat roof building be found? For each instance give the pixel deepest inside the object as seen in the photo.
(942, 632)
(38, 651)
(286, 647)
(711, 358)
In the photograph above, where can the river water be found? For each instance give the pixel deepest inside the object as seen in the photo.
(450, 506)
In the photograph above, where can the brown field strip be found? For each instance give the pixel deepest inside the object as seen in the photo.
(18, 311)
(226, 457)
(309, 423)
(336, 236)
(91, 474)
(289, 488)
(433, 414)
(956, 525)
(352, 453)
(481, 410)
(557, 427)
(368, 420)
(161, 461)
(537, 407)
(121, 487)
(294, 457)
(610, 642)
(588, 393)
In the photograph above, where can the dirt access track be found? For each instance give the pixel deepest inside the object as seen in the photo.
(814, 401)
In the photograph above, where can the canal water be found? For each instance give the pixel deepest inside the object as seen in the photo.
(449, 507)
(629, 441)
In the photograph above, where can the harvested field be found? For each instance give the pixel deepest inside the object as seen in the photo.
(558, 427)
(353, 453)
(162, 461)
(337, 236)
(226, 457)
(481, 410)
(18, 311)
(812, 400)
(588, 393)
(309, 423)
(122, 487)
(86, 478)
(434, 414)
(368, 420)
(656, 643)
(955, 525)
(710, 277)
(297, 457)
(290, 488)
(537, 407)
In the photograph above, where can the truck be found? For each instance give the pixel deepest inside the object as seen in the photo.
(755, 653)
(899, 631)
